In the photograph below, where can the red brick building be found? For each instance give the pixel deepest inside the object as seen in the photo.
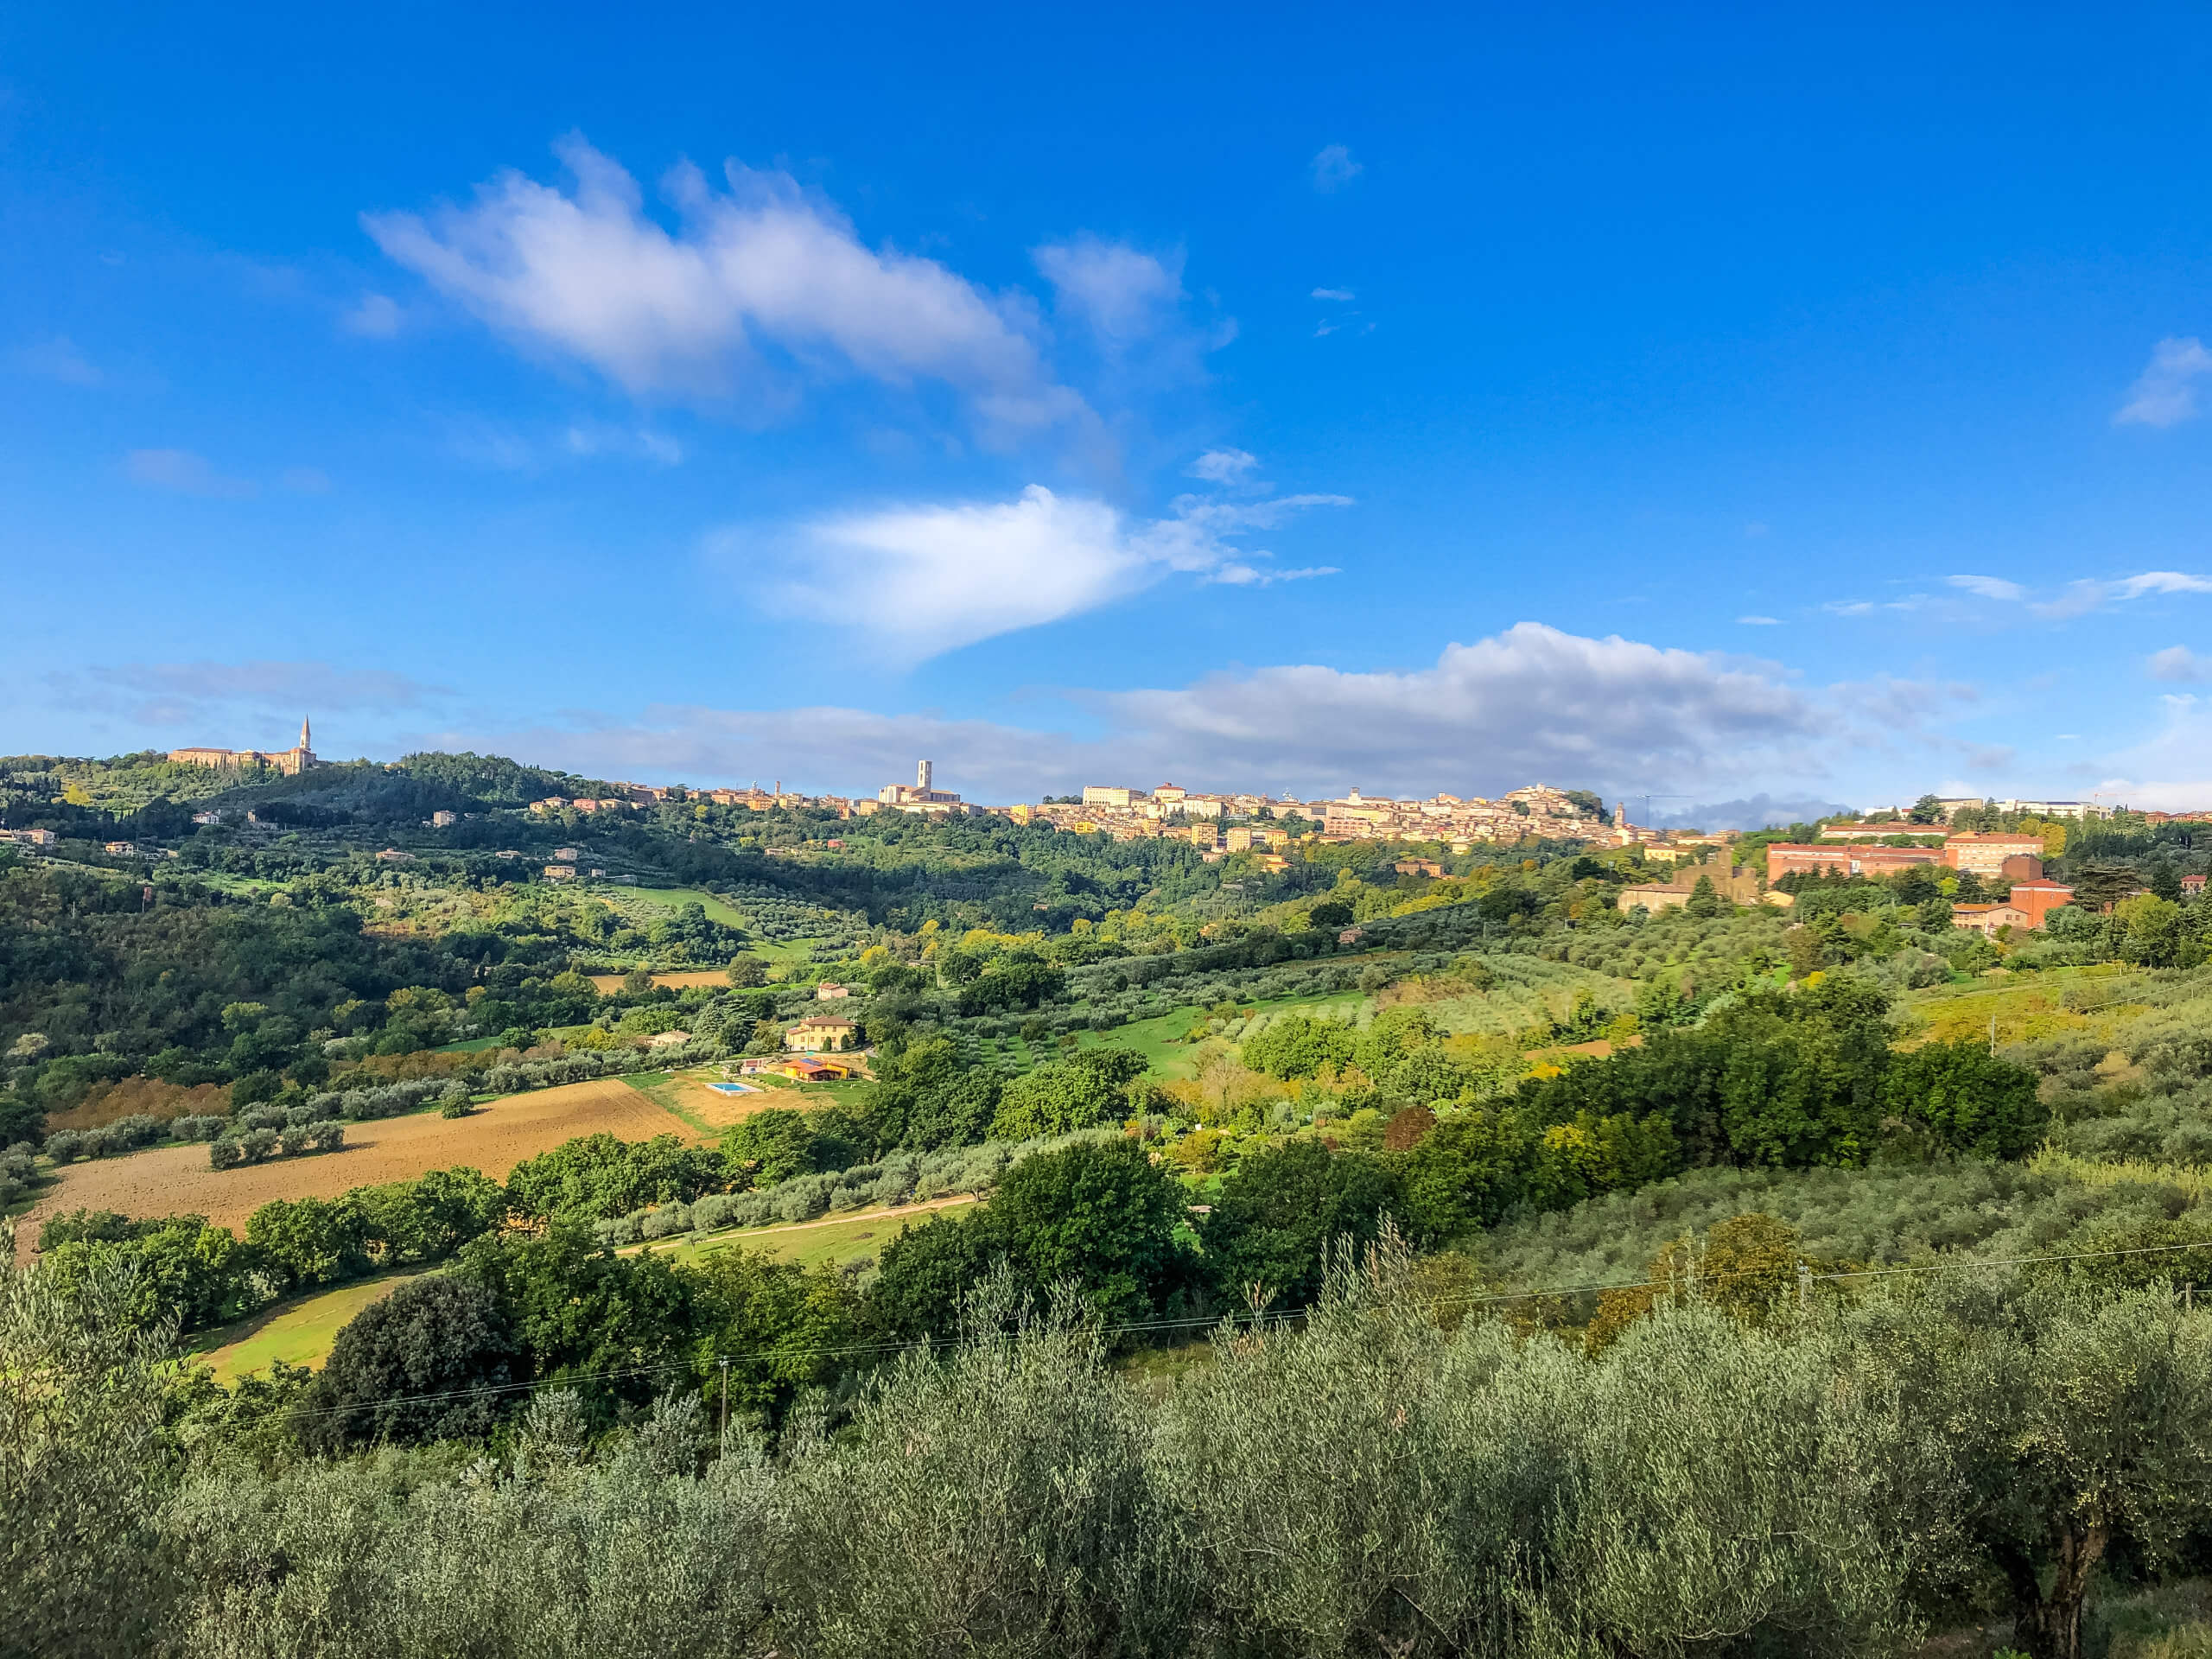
(2037, 899)
(1844, 858)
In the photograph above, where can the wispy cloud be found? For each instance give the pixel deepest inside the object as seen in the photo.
(2084, 594)
(215, 697)
(1119, 293)
(925, 579)
(377, 317)
(1342, 295)
(638, 442)
(1989, 586)
(186, 474)
(58, 358)
(760, 284)
(2179, 663)
(1223, 466)
(1760, 621)
(1333, 167)
(2164, 394)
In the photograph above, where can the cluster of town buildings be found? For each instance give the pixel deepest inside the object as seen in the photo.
(1170, 810)
(2013, 862)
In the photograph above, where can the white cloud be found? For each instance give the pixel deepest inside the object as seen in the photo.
(1222, 466)
(58, 358)
(1342, 295)
(1531, 702)
(1333, 169)
(1759, 621)
(184, 472)
(2165, 393)
(377, 317)
(1989, 586)
(1119, 294)
(305, 481)
(2179, 663)
(2161, 582)
(929, 578)
(754, 279)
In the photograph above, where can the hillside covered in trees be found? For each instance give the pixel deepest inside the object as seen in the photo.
(1565, 1237)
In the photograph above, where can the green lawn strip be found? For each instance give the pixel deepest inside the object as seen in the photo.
(473, 1046)
(659, 1087)
(808, 1244)
(772, 951)
(717, 908)
(1161, 1039)
(299, 1332)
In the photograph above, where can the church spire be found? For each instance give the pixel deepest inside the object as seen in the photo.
(304, 743)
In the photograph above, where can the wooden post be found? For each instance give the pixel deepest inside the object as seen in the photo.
(725, 1364)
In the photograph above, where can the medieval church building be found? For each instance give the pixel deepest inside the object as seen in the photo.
(290, 762)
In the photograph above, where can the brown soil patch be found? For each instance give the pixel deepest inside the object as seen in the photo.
(687, 1092)
(610, 983)
(108, 1102)
(176, 1180)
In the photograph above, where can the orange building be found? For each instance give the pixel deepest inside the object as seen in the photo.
(1985, 854)
(2037, 899)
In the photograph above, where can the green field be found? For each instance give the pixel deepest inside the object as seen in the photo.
(718, 909)
(297, 1333)
(772, 951)
(1161, 1039)
(808, 1244)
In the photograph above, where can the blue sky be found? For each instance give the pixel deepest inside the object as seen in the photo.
(1416, 399)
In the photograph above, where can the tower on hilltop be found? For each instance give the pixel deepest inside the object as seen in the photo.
(922, 773)
(288, 763)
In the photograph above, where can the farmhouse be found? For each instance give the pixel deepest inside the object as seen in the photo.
(1986, 919)
(813, 1071)
(820, 1033)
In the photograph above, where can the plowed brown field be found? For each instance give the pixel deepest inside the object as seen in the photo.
(176, 1180)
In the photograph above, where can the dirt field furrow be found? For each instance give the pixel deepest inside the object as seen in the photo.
(176, 1180)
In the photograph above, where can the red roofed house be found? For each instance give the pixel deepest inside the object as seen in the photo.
(818, 1032)
(1987, 919)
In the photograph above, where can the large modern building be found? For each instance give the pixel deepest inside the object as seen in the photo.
(290, 762)
(1985, 854)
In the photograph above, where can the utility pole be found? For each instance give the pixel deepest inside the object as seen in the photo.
(725, 1364)
(1804, 1284)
